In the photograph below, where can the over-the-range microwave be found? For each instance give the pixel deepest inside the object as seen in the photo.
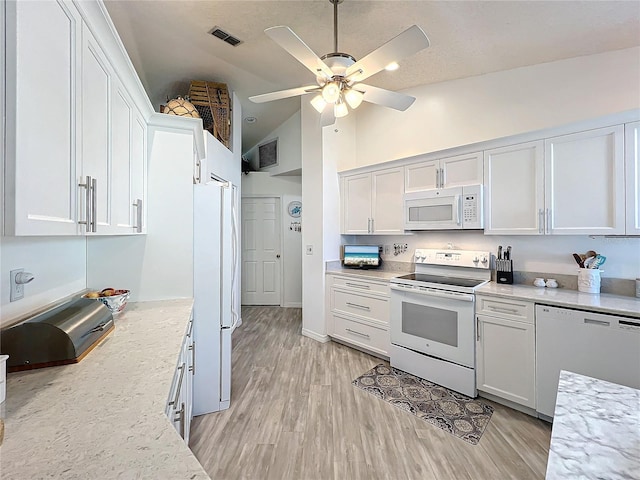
(444, 209)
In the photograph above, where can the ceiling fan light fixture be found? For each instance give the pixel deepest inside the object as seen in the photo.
(331, 92)
(318, 103)
(340, 110)
(354, 98)
(393, 66)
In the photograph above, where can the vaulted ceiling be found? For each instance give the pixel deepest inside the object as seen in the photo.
(169, 42)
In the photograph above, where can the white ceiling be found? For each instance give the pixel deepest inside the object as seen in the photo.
(169, 41)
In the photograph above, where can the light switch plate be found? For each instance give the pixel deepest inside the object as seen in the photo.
(309, 249)
(17, 289)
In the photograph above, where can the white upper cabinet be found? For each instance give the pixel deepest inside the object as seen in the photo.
(42, 91)
(372, 202)
(76, 143)
(632, 172)
(447, 172)
(567, 185)
(514, 189)
(584, 178)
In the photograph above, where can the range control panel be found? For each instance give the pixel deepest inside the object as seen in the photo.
(457, 258)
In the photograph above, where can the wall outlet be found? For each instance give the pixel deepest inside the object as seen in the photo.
(309, 250)
(386, 249)
(17, 289)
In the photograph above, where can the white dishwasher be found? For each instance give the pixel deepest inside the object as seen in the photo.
(594, 344)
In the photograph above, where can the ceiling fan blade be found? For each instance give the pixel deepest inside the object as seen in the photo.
(386, 98)
(327, 117)
(292, 92)
(292, 43)
(411, 41)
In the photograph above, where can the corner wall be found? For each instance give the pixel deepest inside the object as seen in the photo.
(289, 145)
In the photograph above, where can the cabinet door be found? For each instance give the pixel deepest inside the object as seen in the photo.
(632, 173)
(122, 128)
(138, 198)
(43, 56)
(461, 170)
(356, 203)
(584, 173)
(96, 155)
(506, 359)
(514, 189)
(421, 176)
(387, 210)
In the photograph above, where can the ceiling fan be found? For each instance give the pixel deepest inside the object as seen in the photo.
(339, 75)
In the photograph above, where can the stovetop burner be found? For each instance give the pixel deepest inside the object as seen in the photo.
(442, 280)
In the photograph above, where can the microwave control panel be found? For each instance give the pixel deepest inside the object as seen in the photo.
(472, 206)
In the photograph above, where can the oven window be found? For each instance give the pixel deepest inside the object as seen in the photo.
(433, 213)
(430, 323)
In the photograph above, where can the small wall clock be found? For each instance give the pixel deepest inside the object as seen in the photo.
(295, 209)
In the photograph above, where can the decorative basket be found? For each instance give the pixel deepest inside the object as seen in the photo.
(213, 103)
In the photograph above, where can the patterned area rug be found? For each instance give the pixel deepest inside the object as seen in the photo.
(453, 412)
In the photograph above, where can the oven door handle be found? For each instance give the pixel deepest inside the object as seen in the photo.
(432, 292)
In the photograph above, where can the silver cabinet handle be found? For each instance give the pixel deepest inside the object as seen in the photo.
(372, 225)
(548, 220)
(540, 221)
(357, 285)
(180, 419)
(357, 333)
(437, 178)
(198, 177)
(478, 328)
(442, 178)
(503, 309)
(94, 204)
(192, 368)
(190, 329)
(87, 203)
(177, 395)
(355, 305)
(138, 206)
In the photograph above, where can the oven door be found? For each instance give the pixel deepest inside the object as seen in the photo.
(433, 210)
(434, 322)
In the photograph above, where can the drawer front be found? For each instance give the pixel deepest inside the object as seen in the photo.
(507, 308)
(371, 308)
(361, 334)
(357, 284)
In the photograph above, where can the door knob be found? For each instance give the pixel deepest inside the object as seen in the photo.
(278, 255)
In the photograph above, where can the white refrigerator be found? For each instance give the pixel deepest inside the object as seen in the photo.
(215, 285)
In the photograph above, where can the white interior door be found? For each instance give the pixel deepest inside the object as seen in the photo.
(261, 251)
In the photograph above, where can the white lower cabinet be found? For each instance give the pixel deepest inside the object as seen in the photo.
(506, 352)
(180, 402)
(358, 312)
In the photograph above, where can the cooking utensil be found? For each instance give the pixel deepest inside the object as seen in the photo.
(598, 261)
(499, 252)
(578, 260)
(508, 254)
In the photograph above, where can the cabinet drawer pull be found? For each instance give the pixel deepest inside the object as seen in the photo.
(540, 221)
(442, 178)
(358, 285)
(94, 204)
(437, 178)
(192, 368)
(180, 419)
(177, 395)
(138, 225)
(503, 309)
(357, 333)
(355, 305)
(591, 321)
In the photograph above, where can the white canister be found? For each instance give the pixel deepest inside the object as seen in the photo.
(589, 280)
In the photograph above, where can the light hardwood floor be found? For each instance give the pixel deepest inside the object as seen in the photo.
(295, 415)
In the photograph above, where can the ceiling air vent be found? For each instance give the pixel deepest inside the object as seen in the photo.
(224, 36)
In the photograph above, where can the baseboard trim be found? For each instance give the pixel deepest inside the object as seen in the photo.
(293, 305)
(315, 336)
(508, 403)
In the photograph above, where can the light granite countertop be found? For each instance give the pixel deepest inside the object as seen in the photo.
(561, 297)
(103, 418)
(366, 274)
(596, 430)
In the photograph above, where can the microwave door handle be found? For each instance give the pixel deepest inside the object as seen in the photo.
(458, 210)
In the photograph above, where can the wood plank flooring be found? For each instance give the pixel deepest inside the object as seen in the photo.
(295, 415)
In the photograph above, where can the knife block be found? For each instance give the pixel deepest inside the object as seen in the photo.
(504, 271)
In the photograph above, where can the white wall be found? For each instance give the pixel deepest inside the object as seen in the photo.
(59, 266)
(159, 265)
(288, 188)
(470, 110)
(289, 139)
(545, 254)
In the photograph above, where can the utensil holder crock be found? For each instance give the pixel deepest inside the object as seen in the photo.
(589, 280)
